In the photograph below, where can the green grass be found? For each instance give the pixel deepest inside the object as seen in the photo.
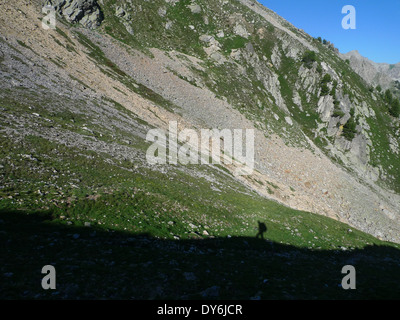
(93, 263)
(236, 42)
(23, 44)
(63, 34)
(49, 191)
(135, 217)
(155, 34)
(128, 249)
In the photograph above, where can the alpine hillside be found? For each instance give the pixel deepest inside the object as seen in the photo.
(76, 189)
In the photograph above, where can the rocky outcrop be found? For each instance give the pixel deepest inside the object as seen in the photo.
(86, 12)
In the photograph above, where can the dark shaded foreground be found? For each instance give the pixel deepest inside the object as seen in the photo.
(92, 263)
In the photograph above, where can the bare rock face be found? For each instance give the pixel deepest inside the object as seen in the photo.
(85, 12)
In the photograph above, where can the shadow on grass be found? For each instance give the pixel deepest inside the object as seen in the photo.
(92, 263)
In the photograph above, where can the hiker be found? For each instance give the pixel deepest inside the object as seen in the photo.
(261, 229)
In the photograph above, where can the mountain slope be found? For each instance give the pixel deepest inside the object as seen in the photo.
(77, 104)
(271, 57)
(253, 78)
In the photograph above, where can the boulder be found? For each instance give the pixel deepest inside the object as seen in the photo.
(120, 12)
(195, 8)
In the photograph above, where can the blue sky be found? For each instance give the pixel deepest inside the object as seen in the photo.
(377, 33)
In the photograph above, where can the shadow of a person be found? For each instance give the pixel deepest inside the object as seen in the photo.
(261, 229)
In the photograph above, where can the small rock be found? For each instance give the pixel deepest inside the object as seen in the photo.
(192, 226)
(168, 25)
(71, 289)
(240, 30)
(211, 292)
(206, 38)
(189, 276)
(87, 224)
(289, 121)
(162, 12)
(119, 12)
(129, 28)
(221, 34)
